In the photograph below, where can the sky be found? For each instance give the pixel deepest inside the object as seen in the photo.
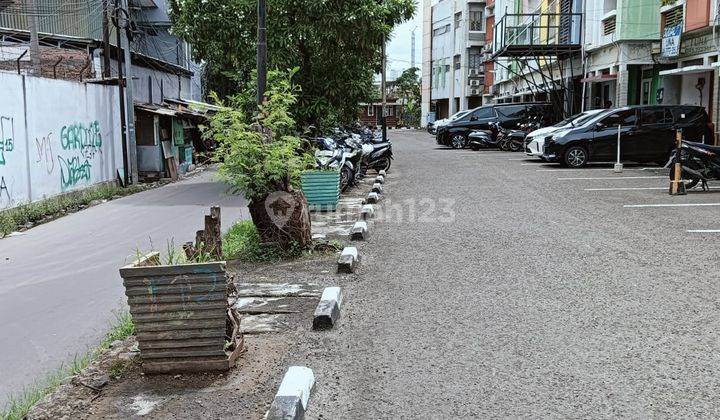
(398, 49)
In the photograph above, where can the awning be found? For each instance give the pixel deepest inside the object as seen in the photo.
(154, 109)
(600, 78)
(687, 70)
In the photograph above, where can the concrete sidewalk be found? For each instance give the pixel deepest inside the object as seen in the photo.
(59, 282)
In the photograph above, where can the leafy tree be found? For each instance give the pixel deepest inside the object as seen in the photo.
(335, 43)
(408, 87)
(263, 160)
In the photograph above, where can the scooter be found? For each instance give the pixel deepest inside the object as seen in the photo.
(337, 156)
(700, 163)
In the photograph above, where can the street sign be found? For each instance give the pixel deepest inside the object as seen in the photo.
(671, 41)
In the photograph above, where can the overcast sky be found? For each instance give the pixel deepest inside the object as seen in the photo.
(398, 49)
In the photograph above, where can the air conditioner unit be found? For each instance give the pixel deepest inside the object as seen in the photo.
(475, 82)
(473, 72)
(475, 91)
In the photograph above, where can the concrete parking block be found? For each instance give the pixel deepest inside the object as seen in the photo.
(372, 198)
(291, 400)
(327, 312)
(382, 173)
(377, 188)
(348, 260)
(367, 211)
(359, 231)
(380, 179)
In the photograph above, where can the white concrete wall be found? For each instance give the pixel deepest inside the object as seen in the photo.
(64, 135)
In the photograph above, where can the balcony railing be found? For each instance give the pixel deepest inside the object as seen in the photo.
(542, 33)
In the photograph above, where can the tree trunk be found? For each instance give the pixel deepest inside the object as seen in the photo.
(282, 218)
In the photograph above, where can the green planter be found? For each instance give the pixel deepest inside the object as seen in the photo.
(321, 189)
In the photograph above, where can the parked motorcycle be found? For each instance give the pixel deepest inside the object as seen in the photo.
(700, 163)
(334, 155)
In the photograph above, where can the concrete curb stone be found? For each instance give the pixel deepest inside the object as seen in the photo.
(359, 231)
(367, 211)
(348, 260)
(291, 400)
(372, 198)
(327, 312)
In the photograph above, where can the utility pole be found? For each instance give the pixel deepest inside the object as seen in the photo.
(106, 39)
(412, 48)
(129, 103)
(121, 95)
(35, 65)
(261, 53)
(383, 121)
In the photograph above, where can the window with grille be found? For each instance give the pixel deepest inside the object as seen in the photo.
(673, 17)
(456, 62)
(476, 20)
(609, 25)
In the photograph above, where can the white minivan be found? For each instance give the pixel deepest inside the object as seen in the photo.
(535, 140)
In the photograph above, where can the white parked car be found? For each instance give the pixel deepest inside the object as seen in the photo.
(535, 140)
(432, 127)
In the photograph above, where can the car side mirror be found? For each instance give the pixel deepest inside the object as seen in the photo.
(599, 126)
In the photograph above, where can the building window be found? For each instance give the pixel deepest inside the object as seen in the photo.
(458, 19)
(370, 111)
(477, 20)
(609, 25)
(456, 62)
(673, 17)
(390, 111)
(441, 30)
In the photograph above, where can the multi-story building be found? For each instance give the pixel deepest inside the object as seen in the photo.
(453, 64)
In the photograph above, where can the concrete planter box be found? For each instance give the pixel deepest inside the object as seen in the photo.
(321, 189)
(182, 316)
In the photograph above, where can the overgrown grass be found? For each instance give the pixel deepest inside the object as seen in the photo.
(20, 404)
(16, 217)
(242, 242)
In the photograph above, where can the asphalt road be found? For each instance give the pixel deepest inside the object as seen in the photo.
(539, 294)
(59, 282)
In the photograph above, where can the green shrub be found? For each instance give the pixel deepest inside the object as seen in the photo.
(242, 242)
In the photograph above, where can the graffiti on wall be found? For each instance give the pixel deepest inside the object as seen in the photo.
(86, 142)
(7, 138)
(45, 155)
(4, 189)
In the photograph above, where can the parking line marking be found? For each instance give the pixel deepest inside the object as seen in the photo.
(626, 189)
(611, 177)
(637, 206)
(570, 169)
(532, 164)
(704, 231)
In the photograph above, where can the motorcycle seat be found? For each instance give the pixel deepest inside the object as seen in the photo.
(715, 149)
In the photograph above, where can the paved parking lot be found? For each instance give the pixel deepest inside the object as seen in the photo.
(544, 292)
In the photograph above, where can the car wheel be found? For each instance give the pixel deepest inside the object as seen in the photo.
(575, 157)
(458, 141)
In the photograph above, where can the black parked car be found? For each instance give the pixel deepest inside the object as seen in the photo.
(510, 116)
(647, 134)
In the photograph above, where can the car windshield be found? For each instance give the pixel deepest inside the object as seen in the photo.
(579, 119)
(457, 115)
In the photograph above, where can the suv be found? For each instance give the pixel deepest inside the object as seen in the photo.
(647, 134)
(455, 133)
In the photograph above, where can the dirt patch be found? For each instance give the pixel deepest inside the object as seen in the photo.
(292, 291)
